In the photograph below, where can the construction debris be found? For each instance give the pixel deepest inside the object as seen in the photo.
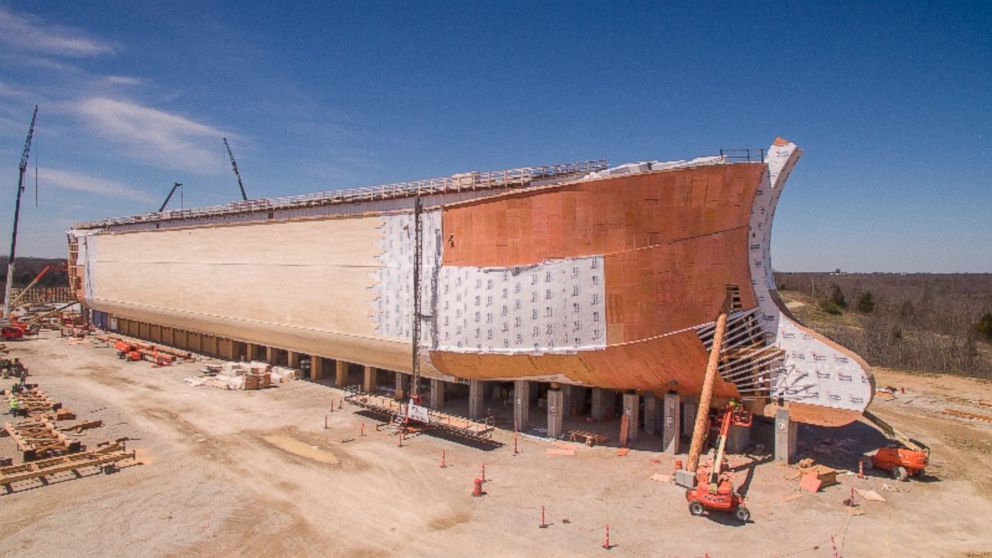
(966, 415)
(870, 495)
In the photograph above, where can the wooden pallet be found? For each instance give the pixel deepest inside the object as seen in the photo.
(40, 470)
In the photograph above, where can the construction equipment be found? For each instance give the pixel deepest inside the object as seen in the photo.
(17, 215)
(904, 457)
(175, 186)
(234, 165)
(715, 490)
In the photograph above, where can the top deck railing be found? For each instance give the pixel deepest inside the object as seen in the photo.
(455, 183)
(746, 154)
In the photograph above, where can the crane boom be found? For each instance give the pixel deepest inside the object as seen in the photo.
(234, 165)
(175, 186)
(22, 168)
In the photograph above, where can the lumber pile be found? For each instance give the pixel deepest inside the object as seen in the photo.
(42, 470)
(38, 438)
(244, 375)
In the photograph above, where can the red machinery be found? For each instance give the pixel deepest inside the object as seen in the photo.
(10, 333)
(127, 351)
(904, 458)
(715, 491)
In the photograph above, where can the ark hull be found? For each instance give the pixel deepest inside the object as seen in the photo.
(610, 278)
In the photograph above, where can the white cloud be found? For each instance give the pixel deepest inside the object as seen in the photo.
(84, 183)
(156, 136)
(28, 32)
(123, 80)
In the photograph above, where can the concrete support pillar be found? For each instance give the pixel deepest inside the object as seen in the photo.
(476, 399)
(402, 386)
(738, 439)
(556, 413)
(250, 352)
(340, 373)
(671, 427)
(568, 395)
(437, 394)
(270, 355)
(632, 409)
(316, 367)
(650, 413)
(293, 359)
(598, 404)
(785, 437)
(521, 404)
(689, 411)
(370, 379)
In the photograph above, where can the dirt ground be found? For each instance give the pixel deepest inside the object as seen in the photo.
(235, 473)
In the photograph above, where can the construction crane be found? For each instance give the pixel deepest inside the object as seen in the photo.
(175, 186)
(17, 214)
(234, 165)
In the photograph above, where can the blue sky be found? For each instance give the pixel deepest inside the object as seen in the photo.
(890, 101)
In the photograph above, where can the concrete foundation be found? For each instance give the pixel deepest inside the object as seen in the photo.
(476, 399)
(437, 394)
(671, 423)
(521, 404)
(556, 413)
(632, 410)
(785, 437)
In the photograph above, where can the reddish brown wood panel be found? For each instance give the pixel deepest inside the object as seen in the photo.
(600, 217)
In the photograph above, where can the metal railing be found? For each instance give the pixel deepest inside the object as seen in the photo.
(447, 184)
(750, 155)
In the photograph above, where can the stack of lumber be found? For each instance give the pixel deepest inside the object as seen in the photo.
(38, 438)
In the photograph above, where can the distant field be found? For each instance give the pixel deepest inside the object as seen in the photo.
(28, 268)
(924, 322)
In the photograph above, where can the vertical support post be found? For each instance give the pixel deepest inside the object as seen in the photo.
(316, 367)
(738, 438)
(672, 426)
(476, 398)
(785, 436)
(701, 426)
(418, 208)
(437, 394)
(250, 350)
(402, 386)
(556, 413)
(568, 394)
(293, 359)
(370, 379)
(598, 404)
(689, 404)
(340, 373)
(650, 413)
(521, 404)
(270, 355)
(632, 408)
